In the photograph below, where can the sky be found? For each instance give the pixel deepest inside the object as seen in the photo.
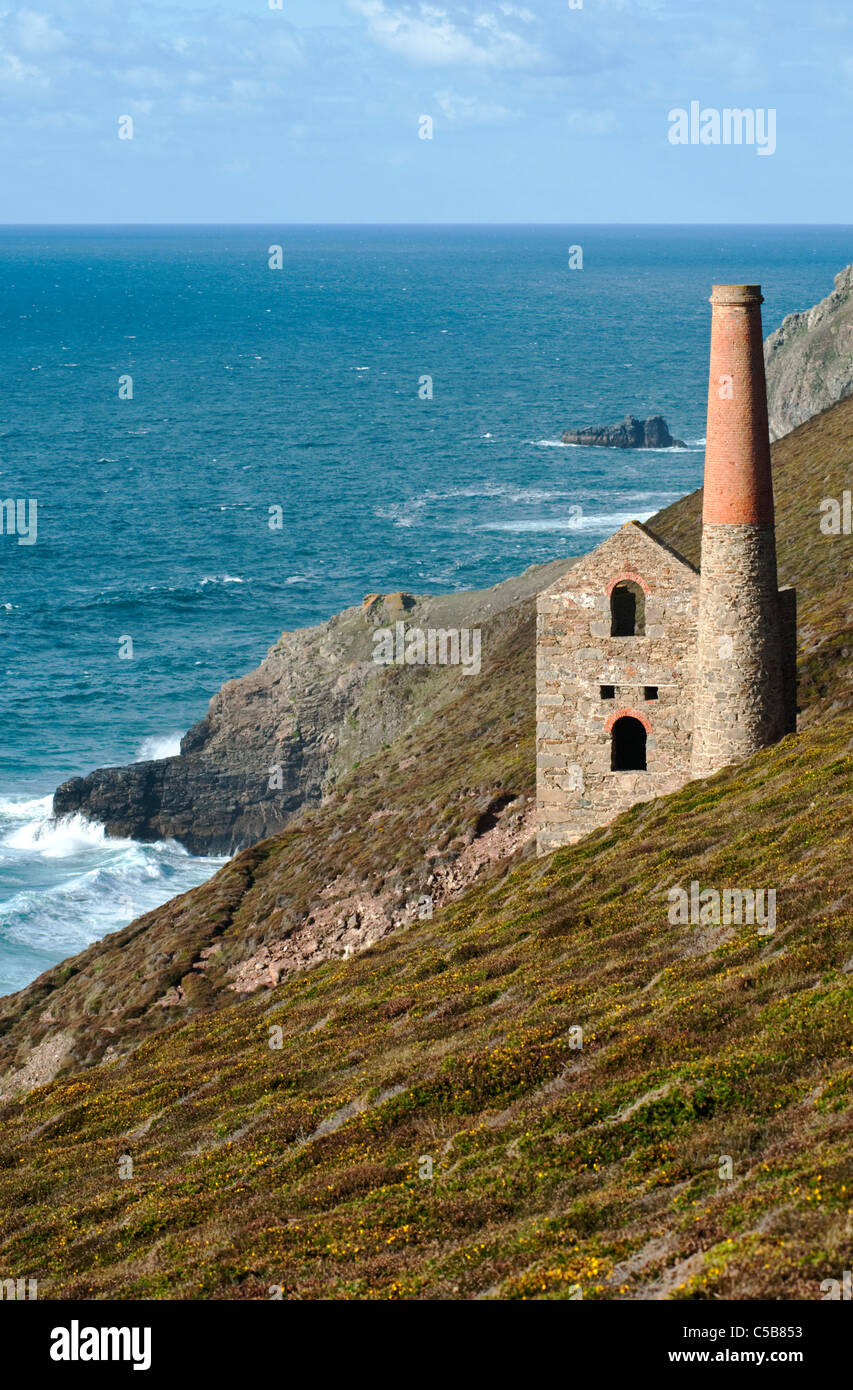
(541, 111)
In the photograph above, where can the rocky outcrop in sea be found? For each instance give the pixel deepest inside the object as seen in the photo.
(630, 433)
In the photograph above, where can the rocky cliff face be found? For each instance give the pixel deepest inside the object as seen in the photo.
(630, 433)
(277, 739)
(809, 359)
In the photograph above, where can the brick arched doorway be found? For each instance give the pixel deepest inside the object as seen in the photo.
(628, 732)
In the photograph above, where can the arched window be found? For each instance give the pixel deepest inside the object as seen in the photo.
(627, 610)
(628, 745)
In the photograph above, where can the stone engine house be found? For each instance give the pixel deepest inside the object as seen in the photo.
(648, 671)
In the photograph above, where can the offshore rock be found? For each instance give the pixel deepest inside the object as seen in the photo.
(630, 433)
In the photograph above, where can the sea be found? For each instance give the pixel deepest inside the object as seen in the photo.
(225, 432)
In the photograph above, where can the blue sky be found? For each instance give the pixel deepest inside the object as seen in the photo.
(310, 113)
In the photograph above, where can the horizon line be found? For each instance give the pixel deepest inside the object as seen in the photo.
(8, 226)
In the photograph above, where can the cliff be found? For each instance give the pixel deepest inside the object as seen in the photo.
(277, 1115)
(277, 739)
(809, 359)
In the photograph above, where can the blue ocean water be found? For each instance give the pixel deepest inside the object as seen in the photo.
(299, 388)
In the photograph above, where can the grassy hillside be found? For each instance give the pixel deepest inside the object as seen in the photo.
(452, 1038)
(553, 1166)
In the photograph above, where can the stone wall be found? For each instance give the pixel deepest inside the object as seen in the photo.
(740, 689)
(576, 656)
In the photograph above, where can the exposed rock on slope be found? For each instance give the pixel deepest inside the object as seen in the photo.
(809, 359)
(314, 708)
(630, 433)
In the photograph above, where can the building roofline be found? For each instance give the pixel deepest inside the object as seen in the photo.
(653, 536)
(588, 554)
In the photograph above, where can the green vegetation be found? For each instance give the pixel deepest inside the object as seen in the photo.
(454, 1038)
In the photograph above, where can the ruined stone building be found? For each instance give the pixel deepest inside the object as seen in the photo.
(648, 671)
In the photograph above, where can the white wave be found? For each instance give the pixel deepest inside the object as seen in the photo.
(222, 579)
(60, 838)
(536, 494)
(408, 513)
(670, 448)
(68, 883)
(158, 746)
(25, 807)
(605, 522)
(399, 514)
(72, 902)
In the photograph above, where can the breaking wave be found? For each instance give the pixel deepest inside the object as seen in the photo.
(80, 883)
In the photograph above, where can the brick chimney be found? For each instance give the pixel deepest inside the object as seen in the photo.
(743, 683)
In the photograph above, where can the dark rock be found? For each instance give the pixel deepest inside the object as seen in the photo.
(631, 433)
(210, 805)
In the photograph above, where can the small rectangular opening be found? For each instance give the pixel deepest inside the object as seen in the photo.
(608, 692)
(650, 692)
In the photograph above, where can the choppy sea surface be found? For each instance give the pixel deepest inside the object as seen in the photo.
(302, 389)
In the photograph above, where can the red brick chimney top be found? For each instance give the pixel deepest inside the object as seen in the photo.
(736, 294)
(738, 483)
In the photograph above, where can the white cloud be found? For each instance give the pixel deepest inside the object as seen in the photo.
(526, 15)
(426, 35)
(14, 73)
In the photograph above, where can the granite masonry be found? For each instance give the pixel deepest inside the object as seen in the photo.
(648, 672)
